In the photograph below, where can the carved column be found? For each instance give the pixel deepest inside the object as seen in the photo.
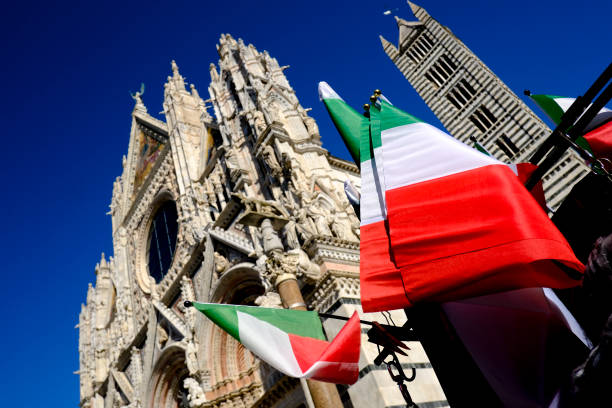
(280, 268)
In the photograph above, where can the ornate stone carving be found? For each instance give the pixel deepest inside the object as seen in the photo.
(270, 299)
(269, 157)
(300, 208)
(196, 394)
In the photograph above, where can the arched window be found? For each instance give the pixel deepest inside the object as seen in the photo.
(162, 240)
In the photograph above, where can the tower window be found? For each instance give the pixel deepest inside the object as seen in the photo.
(452, 100)
(162, 240)
(441, 71)
(420, 48)
(504, 148)
(509, 143)
(461, 94)
(483, 119)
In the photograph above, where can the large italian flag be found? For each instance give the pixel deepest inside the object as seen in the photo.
(291, 341)
(460, 223)
(441, 221)
(597, 134)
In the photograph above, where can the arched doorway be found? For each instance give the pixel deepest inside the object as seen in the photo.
(166, 387)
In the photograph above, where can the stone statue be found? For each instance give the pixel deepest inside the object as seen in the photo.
(305, 267)
(342, 227)
(196, 394)
(271, 241)
(319, 215)
(311, 126)
(270, 158)
(191, 358)
(260, 122)
(221, 263)
(270, 299)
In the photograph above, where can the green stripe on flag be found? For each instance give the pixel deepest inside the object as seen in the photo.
(549, 106)
(348, 122)
(391, 117)
(375, 127)
(298, 322)
(365, 151)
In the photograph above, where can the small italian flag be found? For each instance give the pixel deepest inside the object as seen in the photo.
(597, 136)
(291, 341)
(440, 221)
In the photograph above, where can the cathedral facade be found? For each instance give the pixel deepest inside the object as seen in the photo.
(221, 209)
(472, 102)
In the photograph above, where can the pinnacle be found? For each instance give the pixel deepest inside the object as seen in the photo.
(384, 41)
(388, 47)
(103, 263)
(175, 69)
(414, 7)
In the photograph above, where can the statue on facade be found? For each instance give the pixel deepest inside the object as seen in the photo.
(270, 299)
(221, 263)
(196, 394)
(342, 227)
(311, 126)
(269, 157)
(320, 216)
(191, 357)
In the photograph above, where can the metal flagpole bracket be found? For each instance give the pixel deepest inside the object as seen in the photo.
(390, 339)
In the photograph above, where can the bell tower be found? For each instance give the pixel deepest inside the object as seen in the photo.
(471, 101)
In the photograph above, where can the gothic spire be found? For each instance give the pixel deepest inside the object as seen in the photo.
(414, 7)
(176, 81)
(386, 43)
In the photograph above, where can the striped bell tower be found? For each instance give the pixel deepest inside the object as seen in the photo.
(472, 102)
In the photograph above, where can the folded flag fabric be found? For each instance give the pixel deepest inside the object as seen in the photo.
(597, 134)
(291, 341)
(441, 221)
(348, 121)
(460, 223)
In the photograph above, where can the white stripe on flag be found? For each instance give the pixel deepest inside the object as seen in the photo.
(602, 116)
(269, 343)
(372, 207)
(419, 152)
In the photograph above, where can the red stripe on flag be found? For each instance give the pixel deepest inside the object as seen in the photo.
(525, 170)
(473, 233)
(600, 140)
(343, 352)
(380, 280)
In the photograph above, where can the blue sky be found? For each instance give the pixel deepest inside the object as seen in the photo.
(67, 72)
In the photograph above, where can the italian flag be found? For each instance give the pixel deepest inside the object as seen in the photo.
(441, 221)
(291, 341)
(597, 134)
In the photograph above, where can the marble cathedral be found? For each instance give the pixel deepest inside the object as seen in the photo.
(219, 209)
(472, 102)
